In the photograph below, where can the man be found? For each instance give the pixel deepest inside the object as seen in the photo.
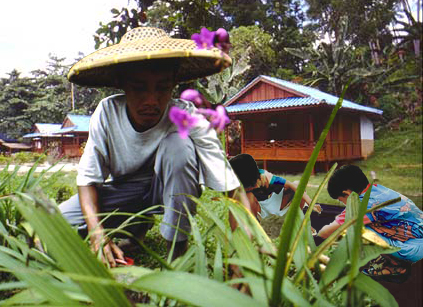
(133, 143)
(400, 224)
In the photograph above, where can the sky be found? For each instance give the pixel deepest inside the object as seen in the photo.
(31, 29)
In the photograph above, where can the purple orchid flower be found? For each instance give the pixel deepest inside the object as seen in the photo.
(204, 40)
(192, 95)
(217, 118)
(222, 40)
(183, 120)
(222, 35)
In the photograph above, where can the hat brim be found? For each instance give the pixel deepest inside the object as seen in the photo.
(98, 68)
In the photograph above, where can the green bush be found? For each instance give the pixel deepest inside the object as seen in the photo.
(4, 159)
(28, 157)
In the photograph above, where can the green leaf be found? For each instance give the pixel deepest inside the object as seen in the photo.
(218, 264)
(69, 250)
(375, 290)
(335, 266)
(293, 294)
(286, 236)
(200, 251)
(37, 279)
(193, 290)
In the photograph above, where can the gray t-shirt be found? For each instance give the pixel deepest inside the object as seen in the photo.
(114, 148)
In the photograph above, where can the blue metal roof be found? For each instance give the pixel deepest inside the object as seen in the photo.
(272, 104)
(45, 130)
(67, 130)
(81, 122)
(314, 97)
(32, 135)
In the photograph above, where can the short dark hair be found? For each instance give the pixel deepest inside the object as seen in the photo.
(123, 69)
(245, 167)
(348, 177)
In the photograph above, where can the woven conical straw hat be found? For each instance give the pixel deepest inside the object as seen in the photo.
(142, 44)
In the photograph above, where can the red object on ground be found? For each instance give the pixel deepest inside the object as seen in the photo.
(129, 261)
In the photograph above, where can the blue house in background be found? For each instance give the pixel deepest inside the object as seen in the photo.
(42, 137)
(64, 139)
(74, 133)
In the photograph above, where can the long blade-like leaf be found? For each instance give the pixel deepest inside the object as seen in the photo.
(287, 231)
(69, 250)
(193, 290)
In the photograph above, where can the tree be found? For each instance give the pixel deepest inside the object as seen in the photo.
(369, 19)
(15, 98)
(282, 19)
(256, 45)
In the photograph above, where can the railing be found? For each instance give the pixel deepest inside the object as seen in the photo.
(300, 150)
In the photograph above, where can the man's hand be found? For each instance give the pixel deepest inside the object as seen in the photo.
(317, 208)
(110, 253)
(88, 199)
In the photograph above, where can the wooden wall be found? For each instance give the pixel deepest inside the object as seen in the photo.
(292, 135)
(264, 91)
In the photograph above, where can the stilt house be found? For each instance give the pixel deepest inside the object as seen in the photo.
(282, 121)
(43, 137)
(64, 139)
(74, 132)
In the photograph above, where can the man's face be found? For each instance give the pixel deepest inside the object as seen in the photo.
(343, 199)
(147, 93)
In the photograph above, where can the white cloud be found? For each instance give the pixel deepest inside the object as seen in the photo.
(30, 30)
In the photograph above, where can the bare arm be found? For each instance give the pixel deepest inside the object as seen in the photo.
(327, 230)
(305, 198)
(246, 200)
(88, 199)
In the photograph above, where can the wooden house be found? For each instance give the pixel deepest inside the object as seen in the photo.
(43, 137)
(73, 133)
(8, 148)
(282, 121)
(64, 139)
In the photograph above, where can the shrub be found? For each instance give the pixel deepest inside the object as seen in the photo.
(4, 159)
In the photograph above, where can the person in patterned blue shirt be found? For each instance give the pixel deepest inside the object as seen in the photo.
(399, 224)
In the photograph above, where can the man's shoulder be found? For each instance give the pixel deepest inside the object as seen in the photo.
(113, 101)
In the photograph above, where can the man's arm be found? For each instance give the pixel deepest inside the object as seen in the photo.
(327, 230)
(246, 200)
(88, 199)
(305, 198)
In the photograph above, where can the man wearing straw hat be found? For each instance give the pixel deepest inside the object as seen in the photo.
(135, 147)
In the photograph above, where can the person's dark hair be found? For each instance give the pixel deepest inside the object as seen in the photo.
(122, 70)
(245, 167)
(348, 177)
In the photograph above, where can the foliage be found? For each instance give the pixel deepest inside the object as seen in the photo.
(253, 43)
(28, 157)
(282, 19)
(368, 19)
(220, 87)
(45, 97)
